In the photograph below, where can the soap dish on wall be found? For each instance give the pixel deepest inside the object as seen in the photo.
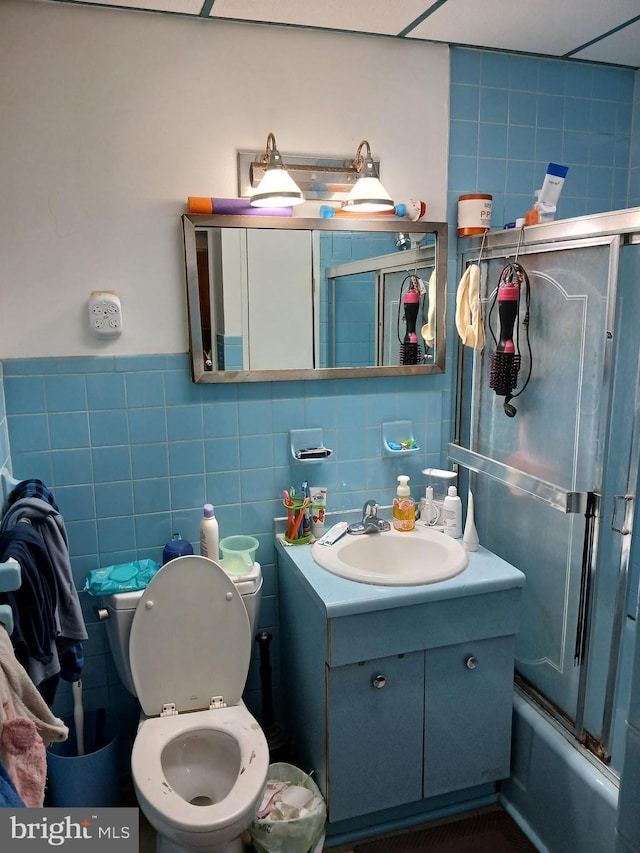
(307, 446)
(397, 438)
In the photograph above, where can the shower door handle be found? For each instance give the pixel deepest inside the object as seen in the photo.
(627, 500)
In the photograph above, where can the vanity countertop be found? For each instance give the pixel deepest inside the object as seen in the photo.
(485, 573)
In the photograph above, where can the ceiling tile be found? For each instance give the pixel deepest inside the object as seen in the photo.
(622, 47)
(365, 16)
(185, 7)
(545, 26)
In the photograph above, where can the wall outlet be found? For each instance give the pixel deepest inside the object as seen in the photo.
(105, 313)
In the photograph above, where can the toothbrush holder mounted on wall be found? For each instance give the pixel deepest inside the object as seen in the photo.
(307, 446)
(397, 438)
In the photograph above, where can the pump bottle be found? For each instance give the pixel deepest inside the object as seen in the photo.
(209, 533)
(404, 507)
(452, 514)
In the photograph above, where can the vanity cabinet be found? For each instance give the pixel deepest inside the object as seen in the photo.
(398, 697)
(375, 711)
(468, 705)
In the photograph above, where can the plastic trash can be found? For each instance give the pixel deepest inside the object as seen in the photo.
(298, 835)
(92, 779)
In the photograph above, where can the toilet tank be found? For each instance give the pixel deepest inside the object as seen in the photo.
(121, 607)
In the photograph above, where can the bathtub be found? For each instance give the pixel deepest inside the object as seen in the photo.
(562, 797)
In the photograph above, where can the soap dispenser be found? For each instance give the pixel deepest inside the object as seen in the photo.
(404, 507)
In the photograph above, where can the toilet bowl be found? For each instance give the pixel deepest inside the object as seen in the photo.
(199, 782)
(200, 759)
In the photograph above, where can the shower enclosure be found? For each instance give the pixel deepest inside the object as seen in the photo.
(554, 486)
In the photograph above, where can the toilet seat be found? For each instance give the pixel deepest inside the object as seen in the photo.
(190, 642)
(246, 785)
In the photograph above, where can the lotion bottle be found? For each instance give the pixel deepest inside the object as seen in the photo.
(209, 533)
(404, 507)
(452, 514)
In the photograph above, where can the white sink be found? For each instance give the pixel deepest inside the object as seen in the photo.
(420, 556)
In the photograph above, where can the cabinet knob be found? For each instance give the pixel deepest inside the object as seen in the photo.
(471, 662)
(379, 681)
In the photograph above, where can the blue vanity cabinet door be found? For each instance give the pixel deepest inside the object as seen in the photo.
(374, 734)
(468, 700)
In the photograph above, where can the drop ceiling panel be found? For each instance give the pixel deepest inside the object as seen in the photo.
(184, 7)
(544, 26)
(539, 27)
(622, 47)
(385, 17)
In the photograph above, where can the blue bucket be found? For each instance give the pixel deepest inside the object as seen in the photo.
(92, 779)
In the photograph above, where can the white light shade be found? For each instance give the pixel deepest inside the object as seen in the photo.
(277, 189)
(368, 196)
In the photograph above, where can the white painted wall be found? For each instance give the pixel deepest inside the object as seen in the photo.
(109, 119)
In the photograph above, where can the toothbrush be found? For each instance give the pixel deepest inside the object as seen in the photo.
(306, 521)
(301, 514)
(286, 500)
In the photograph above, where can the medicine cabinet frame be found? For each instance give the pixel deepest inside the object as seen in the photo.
(199, 309)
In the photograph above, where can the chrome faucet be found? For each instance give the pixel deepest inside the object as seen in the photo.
(370, 522)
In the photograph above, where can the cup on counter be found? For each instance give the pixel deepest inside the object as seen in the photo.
(297, 509)
(318, 508)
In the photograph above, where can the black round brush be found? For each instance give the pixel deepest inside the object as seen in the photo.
(504, 363)
(409, 346)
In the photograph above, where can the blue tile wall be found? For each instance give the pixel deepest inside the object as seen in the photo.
(512, 115)
(132, 450)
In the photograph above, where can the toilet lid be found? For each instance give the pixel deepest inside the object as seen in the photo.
(190, 638)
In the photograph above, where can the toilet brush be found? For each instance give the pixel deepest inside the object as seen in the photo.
(470, 537)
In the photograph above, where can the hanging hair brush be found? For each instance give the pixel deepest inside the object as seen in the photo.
(409, 347)
(505, 362)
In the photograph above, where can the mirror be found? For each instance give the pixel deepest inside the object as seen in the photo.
(277, 298)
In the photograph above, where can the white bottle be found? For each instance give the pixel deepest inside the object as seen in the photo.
(429, 510)
(452, 514)
(209, 533)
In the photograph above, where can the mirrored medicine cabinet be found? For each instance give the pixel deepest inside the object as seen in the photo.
(288, 298)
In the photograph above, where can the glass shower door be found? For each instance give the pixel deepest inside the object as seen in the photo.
(539, 473)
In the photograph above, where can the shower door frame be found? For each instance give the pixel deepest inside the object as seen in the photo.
(612, 229)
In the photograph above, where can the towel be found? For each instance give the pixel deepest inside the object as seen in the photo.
(46, 520)
(27, 727)
(468, 315)
(40, 516)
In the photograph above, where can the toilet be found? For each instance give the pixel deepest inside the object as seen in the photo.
(183, 646)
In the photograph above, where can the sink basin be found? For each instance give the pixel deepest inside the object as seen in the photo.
(393, 559)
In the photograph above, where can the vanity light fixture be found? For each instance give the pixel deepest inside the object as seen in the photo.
(368, 195)
(277, 188)
(265, 180)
